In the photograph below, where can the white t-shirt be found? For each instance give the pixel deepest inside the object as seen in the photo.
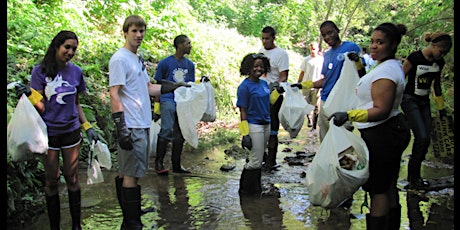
(390, 69)
(279, 61)
(125, 69)
(312, 67)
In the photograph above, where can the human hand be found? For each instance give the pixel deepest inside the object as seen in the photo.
(276, 85)
(303, 85)
(169, 86)
(353, 56)
(92, 135)
(22, 89)
(123, 133)
(156, 117)
(246, 142)
(339, 118)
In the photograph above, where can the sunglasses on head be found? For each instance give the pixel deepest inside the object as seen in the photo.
(259, 55)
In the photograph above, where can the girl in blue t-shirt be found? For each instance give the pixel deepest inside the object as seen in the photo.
(254, 104)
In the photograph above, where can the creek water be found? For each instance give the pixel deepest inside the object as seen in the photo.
(208, 198)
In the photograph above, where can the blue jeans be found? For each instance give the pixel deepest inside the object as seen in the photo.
(418, 113)
(170, 129)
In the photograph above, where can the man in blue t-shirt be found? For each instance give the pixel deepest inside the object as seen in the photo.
(175, 68)
(332, 67)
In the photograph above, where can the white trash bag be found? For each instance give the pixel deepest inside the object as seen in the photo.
(154, 130)
(26, 134)
(328, 184)
(210, 113)
(94, 173)
(343, 96)
(293, 110)
(102, 152)
(191, 104)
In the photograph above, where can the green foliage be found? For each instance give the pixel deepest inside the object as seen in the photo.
(222, 32)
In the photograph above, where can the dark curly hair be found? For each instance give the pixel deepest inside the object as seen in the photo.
(248, 63)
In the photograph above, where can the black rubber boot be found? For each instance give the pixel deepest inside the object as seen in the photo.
(54, 211)
(75, 208)
(376, 222)
(119, 189)
(162, 144)
(250, 182)
(270, 163)
(175, 157)
(132, 208)
(414, 175)
(394, 218)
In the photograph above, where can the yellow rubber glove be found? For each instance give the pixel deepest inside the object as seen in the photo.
(439, 101)
(358, 115)
(35, 96)
(274, 95)
(307, 84)
(244, 127)
(359, 64)
(156, 108)
(85, 126)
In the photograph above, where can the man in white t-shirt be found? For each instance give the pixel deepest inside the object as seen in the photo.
(310, 69)
(279, 70)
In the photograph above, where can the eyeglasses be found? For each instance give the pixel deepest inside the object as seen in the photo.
(259, 55)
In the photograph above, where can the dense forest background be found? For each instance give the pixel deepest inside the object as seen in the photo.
(222, 32)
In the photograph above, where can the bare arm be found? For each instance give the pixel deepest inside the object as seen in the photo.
(243, 114)
(302, 73)
(383, 93)
(81, 114)
(154, 89)
(115, 101)
(407, 66)
(283, 76)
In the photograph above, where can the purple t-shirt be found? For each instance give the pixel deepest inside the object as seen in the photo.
(61, 112)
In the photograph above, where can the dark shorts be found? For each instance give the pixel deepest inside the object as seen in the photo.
(65, 141)
(386, 143)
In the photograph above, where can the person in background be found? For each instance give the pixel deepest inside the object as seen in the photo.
(55, 88)
(253, 100)
(174, 68)
(382, 125)
(423, 69)
(310, 69)
(368, 62)
(332, 67)
(279, 64)
(130, 91)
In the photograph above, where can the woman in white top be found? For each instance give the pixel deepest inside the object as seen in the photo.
(382, 126)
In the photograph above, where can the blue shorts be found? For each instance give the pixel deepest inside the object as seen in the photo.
(134, 163)
(65, 141)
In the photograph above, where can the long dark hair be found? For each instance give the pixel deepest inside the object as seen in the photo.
(49, 65)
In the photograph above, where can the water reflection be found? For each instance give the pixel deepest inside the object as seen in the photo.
(262, 212)
(173, 200)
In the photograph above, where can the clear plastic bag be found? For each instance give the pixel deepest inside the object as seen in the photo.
(191, 103)
(210, 113)
(293, 110)
(26, 136)
(94, 173)
(328, 184)
(102, 152)
(343, 96)
(154, 130)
